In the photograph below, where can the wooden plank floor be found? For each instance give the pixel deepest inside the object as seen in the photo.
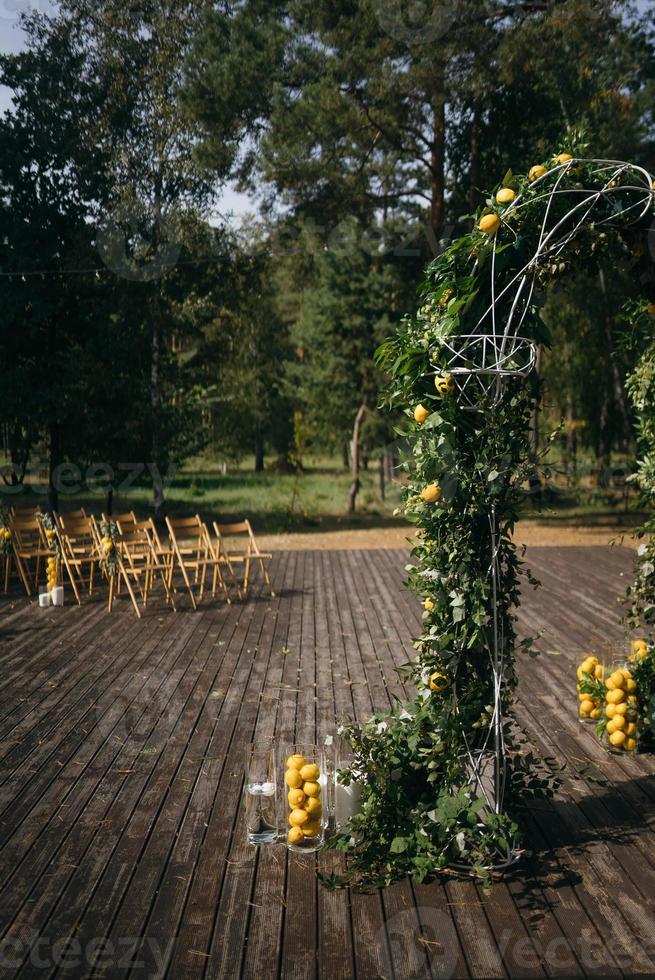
(122, 848)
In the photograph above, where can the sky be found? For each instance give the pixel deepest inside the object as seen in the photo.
(11, 40)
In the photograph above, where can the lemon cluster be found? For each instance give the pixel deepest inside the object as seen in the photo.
(51, 569)
(638, 650)
(304, 797)
(5, 538)
(621, 710)
(589, 707)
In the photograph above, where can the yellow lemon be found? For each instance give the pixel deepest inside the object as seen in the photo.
(313, 807)
(620, 709)
(599, 672)
(630, 685)
(420, 414)
(444, 383)
(610, 710)
(311, 829)
(428, 604)
(586, 707)
(293, 779)
(439, 682)
(298, 817)
(310, 772)
(619, 722)
(610, 728)
(445, 296)
(296, 798)
(295, 835)
(617, 739)
(616, 679)
(431, 493)
(312, 789)
(489, 223)
(615, 697)
(630, 729)
(536, 172)
(563, 158)
(639, 648)
(595, 714)
(295, 762)
(630, 744)
(505, 195)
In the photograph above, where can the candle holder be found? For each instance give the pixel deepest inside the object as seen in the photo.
(260, 792)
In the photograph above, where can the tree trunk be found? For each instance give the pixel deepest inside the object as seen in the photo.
(535, 480)
(474, 175)
(259, 450)
(344, 456)
(626, 437)
(382, 478)
(155, 407)
(437, 167)
(53, 463)
(354, 457)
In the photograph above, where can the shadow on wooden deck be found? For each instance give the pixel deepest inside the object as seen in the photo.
(122, 847)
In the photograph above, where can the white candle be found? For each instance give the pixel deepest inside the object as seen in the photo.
(347, 802)
(58, 595)
(44, 599)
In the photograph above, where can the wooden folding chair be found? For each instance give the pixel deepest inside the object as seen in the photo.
(118, 572)
(129, 517)
(78, 547)
(248, 555)
(28, 544)
(143, 557)
(193, 552)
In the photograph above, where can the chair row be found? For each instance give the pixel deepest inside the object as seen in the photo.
(129, 553)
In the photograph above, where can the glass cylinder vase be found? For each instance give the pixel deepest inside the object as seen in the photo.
(304, 788)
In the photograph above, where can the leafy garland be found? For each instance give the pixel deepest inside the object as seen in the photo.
(108, 547)
(640, 594)
(49, 529)
(5, 534)
(419, 812)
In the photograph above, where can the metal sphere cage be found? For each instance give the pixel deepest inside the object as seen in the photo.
(494, 349)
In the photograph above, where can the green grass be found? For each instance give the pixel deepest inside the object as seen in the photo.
(313, 500)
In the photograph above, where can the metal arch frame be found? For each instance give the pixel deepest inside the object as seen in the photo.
(480, 362)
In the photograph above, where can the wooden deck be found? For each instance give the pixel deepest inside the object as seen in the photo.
(121, 742)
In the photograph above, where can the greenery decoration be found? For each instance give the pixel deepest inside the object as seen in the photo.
(109, 552)
(5, 533)
(640, 594)
(49, 529)
(420, 811)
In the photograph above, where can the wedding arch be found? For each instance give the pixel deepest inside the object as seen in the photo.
(442, 777)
